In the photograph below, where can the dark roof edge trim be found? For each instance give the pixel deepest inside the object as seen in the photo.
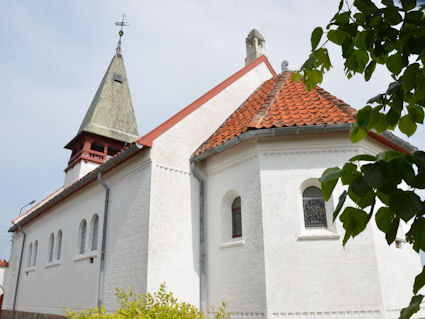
(90, 177)
(297, 130)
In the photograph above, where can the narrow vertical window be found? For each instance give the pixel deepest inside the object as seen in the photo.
(94, 232)
(83, 232)
(236, 218)
(58, 245)
(314, 208)
(29, 255)
(51, 246)
(34, 258)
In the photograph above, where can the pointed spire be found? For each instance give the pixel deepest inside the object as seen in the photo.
(111, 112)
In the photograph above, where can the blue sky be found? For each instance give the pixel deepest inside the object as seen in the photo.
(54, 54)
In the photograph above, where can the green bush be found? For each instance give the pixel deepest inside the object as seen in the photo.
(160, 304)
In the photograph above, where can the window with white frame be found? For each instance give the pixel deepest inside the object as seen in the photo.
(59, 245)
(314, 208)
(50, 247)
(34, 258)
(29, 255)
(94, 231)
(82, 237)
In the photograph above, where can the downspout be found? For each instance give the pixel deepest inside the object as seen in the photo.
(201, 236)
(102, 252)
(19, 273)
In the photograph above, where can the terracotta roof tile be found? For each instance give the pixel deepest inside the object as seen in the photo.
(280, 102)
(4, 264)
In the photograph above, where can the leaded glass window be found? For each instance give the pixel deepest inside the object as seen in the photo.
(94, 232)
(236, 218)
(83, 231)
(314, 208)
(51, 245)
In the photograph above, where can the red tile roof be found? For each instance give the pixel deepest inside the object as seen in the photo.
(280, 102)
(4, 264)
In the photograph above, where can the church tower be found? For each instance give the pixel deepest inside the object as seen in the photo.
(109, 123)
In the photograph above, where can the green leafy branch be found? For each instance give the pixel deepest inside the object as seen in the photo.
(392, 36)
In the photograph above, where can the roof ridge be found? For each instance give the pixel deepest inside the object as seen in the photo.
(265, 107)
(340, 104)
(225, 121)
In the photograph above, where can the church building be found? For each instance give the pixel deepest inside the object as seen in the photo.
(221, 202)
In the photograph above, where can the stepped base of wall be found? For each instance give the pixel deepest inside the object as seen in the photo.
(7, 314)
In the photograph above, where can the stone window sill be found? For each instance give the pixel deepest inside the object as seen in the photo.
(317, 234)
(85, 256)
(30, 269)
(52, 264)
(233, 244)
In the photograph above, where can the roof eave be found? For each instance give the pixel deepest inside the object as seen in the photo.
(386, 138)
(90, 177)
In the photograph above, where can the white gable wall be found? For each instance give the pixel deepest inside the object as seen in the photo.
(174, 215)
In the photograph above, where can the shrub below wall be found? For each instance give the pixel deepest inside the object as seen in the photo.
(159, 305)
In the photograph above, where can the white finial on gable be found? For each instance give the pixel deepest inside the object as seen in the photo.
(254, 46)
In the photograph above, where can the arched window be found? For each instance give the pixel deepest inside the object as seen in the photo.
(96, 146)
(51, 246)
(83, 232)
(58, 244)
(34, 258)
(314, 208)
(236, 218)
(29, 255)
(94, 231)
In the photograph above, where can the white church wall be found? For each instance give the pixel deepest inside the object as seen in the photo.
(397, 266)
(127, 237)
(307, 272)
(235, 266)
(1, 279)
(79, 170)
(73, 280)
(175, 193)
(9, 279)
(331, 278)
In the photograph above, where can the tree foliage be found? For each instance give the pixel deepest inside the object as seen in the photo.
(159, 305)
(392, 35)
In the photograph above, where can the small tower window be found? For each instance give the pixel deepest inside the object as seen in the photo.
(96, 146)
(118, 77)
(236, 218)
(112, 151)
(314, 208)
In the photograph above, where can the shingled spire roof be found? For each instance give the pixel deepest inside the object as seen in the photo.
(111, 112)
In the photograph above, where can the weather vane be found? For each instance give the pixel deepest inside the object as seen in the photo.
(121, 24)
